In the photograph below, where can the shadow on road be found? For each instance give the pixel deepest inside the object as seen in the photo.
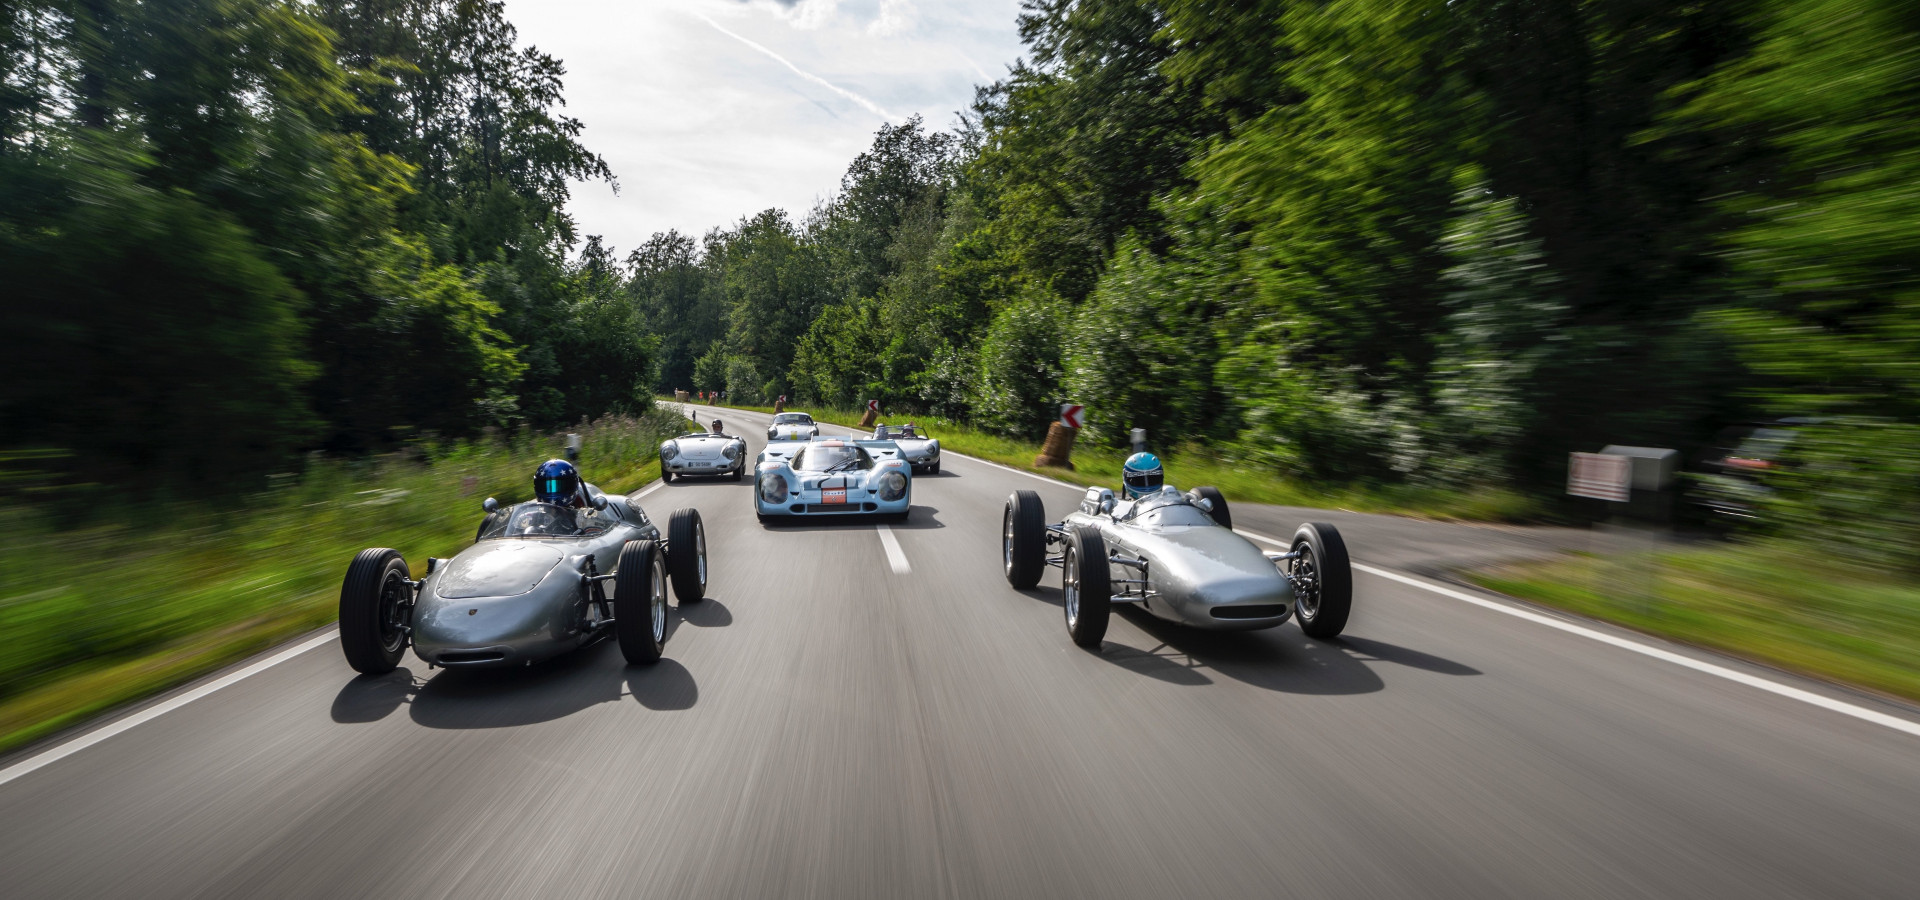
(708, 613)
(918, 517)
(1278, 659)
(504, 698)
(665, 685)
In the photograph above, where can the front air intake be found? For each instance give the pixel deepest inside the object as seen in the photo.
(460, 657)
(1260, 611)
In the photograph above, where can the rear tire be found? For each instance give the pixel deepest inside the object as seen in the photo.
(376, 603)
(687, 555)
(1219, 512)
(640, 603)
(1323, 614)
(1085, 586)
(1023, 539)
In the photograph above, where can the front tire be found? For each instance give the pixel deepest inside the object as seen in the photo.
(640, 603)
(1219, 511)
(687, 555)
(376, 601)
(1023, 540)
(666, 475)
(1324, 605)
(739, 472)
(1085, 586)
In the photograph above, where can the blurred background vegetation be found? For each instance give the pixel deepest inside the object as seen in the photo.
(1410, 245)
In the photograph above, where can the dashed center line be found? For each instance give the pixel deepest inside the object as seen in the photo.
(896, 557)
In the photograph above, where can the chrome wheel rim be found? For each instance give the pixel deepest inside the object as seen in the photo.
(1006, 541)
(1070, 587)
(1305, 583)
(700, 547)
(659, 602)
(393, 610)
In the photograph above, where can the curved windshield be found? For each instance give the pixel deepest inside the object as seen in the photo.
(793, 419)
(830, 457)
(1167, 507)
(536, 519)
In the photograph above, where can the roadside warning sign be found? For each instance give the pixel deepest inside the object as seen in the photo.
(1071, 414)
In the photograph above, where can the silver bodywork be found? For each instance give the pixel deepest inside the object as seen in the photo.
(782, 490)
(919, 450)
(515, 600)
(703, 453)
(792, 427)
(1195, 572)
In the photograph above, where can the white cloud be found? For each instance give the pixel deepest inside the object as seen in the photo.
(702, 130)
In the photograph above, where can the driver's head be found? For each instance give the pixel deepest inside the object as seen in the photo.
(557, 481)
(716, 427)
(1141, 475)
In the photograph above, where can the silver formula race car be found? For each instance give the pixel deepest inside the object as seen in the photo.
(792, 426)
(920, 450)
(703, 453)
(535, 584)
(832, 476)
(1177, 556)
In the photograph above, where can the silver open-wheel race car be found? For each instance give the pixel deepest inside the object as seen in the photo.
(1176, 555)
(530, 587)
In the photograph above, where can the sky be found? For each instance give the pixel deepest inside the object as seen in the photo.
(712, 110)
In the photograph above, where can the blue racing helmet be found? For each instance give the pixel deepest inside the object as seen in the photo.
(1142, 475)
(557, 481)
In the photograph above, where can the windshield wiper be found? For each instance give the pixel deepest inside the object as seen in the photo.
(840, 465)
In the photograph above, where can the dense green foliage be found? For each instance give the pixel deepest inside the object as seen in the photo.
(233, 229)
(1388, 241)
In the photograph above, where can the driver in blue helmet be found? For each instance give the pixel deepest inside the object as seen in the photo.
(558, 482)
(1141, 476)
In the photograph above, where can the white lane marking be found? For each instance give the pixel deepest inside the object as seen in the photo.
(1772, 687)
(896, 557)
(54, 754)
(650, 489)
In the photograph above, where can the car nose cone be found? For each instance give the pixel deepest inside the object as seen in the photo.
(504, 568)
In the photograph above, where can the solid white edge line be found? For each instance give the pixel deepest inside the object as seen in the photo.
(650, 489)
(1772, 687)
(896, 557)
(54, 754)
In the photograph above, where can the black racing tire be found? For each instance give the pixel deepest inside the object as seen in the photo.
(740, 471)
(687, 555)
(1220, 513)
(1085, 586)
(640, 627)
(376, 601)
(1023, 539)
(1323, 612)
(666, 475)
(935, 470)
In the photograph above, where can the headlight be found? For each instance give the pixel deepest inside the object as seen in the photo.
(773, 488)
(669, 450)
(731, 451)
(893, 486)
(933, 448)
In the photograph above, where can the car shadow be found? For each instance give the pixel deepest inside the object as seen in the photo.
(1278, 659)
(463, 699)
(707, 613)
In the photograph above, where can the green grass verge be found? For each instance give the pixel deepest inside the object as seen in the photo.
(151, 596)
(1193, 465)
(1766, 602)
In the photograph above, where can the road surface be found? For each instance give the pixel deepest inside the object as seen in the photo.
(846, 719)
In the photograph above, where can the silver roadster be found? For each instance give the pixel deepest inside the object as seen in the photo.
(920, 450)
(533, 585)
(1176, 555)
(792, 426)
(703, 453)
(832, 477)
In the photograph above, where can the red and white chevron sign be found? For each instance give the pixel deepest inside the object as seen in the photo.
(873, 405)
(1071, 414)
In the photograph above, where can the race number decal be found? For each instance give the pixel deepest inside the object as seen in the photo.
(833, 495)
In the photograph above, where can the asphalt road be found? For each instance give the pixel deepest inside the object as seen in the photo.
(827, 726)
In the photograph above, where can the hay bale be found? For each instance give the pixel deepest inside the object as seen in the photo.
(1058, 450)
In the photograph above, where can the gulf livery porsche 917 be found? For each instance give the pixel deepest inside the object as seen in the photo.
(831, 477)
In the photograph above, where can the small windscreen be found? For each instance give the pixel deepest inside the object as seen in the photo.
(829, 458)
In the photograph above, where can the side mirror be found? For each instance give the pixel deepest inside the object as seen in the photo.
(1203, 503)
(1106, 504)
(599, 501)
(490, 505)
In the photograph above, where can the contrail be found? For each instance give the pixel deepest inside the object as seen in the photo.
(869, 105)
